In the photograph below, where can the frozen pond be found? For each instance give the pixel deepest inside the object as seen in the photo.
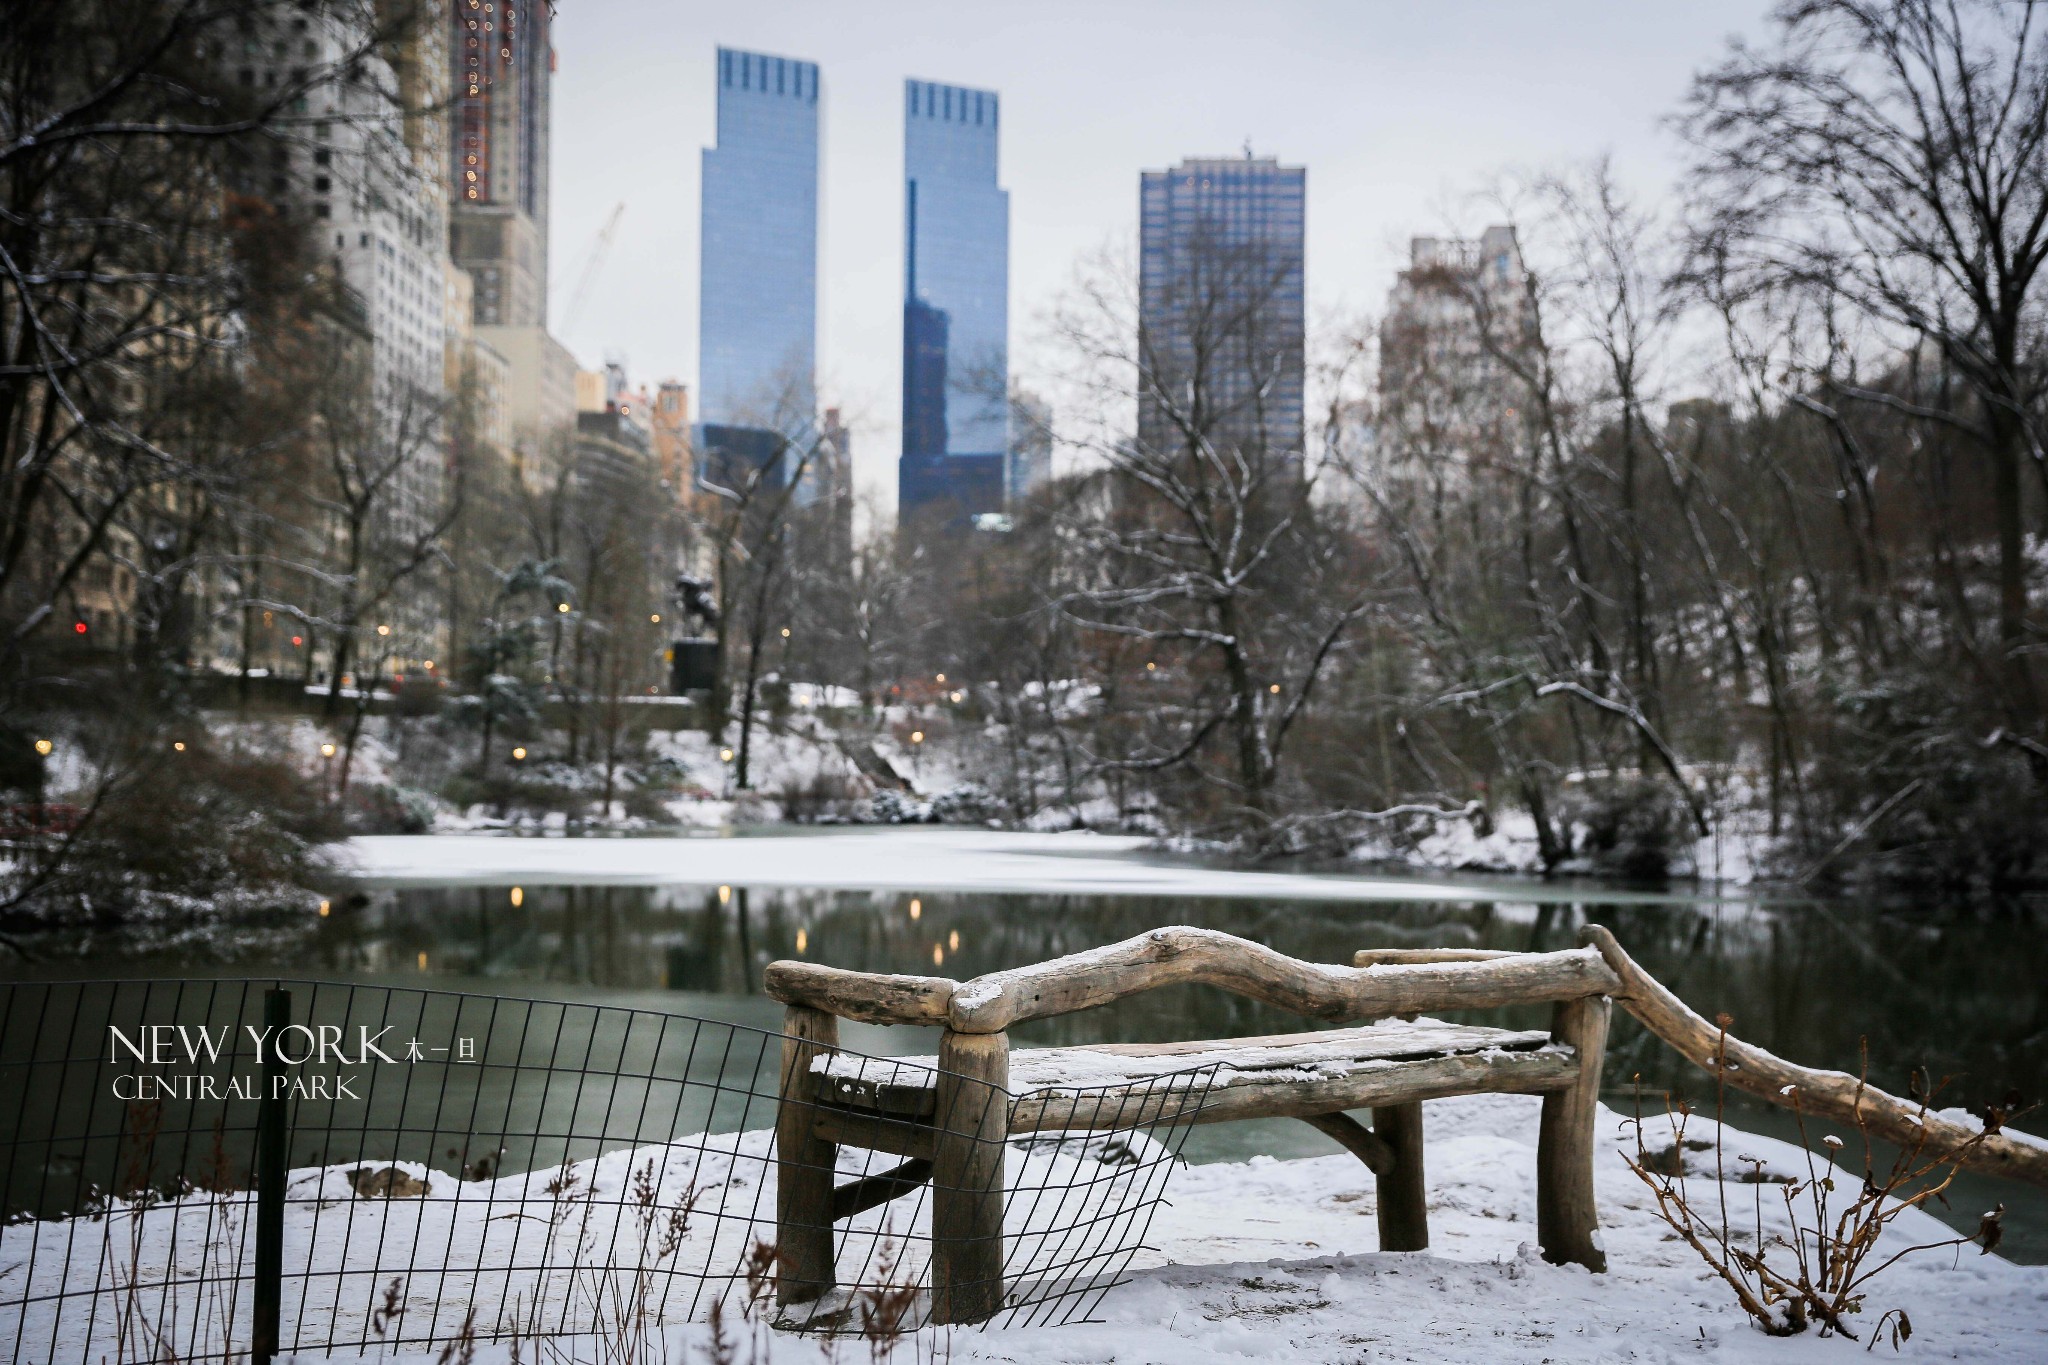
(1954, 989)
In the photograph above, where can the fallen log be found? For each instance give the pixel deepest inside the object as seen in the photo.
(1823, 1094)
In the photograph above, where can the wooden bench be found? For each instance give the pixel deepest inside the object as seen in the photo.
(952, 1114)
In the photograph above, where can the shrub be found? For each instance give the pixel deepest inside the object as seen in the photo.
(1626, 826)
(200, 823)
(1913, 788)
(969, 804)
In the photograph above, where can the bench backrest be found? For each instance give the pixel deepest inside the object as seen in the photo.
(1386, 983)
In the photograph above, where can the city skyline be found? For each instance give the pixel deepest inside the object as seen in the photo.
(1396, 158)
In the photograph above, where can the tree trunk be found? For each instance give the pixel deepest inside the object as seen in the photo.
(1248, 716)
(2012, 563)
(747, 707)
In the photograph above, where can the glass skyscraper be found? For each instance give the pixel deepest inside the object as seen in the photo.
(758, 304)
(1221, 306)
(956, 301)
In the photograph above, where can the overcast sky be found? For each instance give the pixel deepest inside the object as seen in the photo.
(1398, 108)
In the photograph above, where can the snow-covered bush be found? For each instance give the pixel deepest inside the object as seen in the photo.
(967, 804)
(891, 807)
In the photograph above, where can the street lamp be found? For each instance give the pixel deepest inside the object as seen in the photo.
(327, 751)
(43, 747)
(519, 754)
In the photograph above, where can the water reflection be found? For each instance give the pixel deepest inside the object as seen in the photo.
(1954, 994)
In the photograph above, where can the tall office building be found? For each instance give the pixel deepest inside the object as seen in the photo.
(758, 303)
(956, 302)
(502, 65)
(1458, 326)
(1221, 306)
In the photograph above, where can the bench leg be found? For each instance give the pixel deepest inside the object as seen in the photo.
(805, 1165)
(973, 1119)
(1403, 1208)
(1567, 1219)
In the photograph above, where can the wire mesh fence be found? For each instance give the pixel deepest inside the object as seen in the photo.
(241, 1168)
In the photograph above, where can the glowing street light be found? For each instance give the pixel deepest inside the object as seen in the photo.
(383, 630)
(724, 895)
(942, 677)
(327, 750)
(917, 736)
(518, 896)
(655, 617)
(326, 907)
(519, 754)
(179, 746)
(803, 940)
(562, 607)
(785, 632)
(725, 755)
(43, 747)
(916, 908)
(938, 955)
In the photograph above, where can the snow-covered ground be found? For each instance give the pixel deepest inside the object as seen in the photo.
(913, 857)
(1276, 1260)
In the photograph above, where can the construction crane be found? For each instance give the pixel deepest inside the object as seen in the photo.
(593, 261)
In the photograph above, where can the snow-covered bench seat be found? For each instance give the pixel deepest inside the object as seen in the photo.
(951, 1114)
(1289, 1075)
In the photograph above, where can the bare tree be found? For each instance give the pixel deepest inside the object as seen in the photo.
(1231, 585)
(1893, 155)
(750, 492)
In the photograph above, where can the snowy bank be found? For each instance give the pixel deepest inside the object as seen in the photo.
(1275, 1260)
(964, 860)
